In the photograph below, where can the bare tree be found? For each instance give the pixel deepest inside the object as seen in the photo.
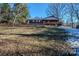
(76, 9)
(56, 10)
(76, 12)
(73, 12)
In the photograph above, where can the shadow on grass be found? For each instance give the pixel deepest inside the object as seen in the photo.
(50, 34)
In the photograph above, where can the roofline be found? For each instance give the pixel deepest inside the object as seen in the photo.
(46, 18)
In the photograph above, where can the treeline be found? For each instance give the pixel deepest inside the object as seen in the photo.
(16, 13)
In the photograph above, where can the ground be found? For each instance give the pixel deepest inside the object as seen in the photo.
(32, 40)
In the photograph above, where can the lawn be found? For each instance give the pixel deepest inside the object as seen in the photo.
(26, 41)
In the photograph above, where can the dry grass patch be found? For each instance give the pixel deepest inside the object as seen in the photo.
(20, 30)
(18, 45)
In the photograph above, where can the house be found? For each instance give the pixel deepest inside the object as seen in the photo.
(51, 20)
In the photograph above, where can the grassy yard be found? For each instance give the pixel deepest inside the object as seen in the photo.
(22, 41)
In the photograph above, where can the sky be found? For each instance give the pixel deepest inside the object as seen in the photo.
(37, 9)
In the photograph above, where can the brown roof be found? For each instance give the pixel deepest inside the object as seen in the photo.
(46, 18)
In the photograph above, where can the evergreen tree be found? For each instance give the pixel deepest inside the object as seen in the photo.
(5, 12)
